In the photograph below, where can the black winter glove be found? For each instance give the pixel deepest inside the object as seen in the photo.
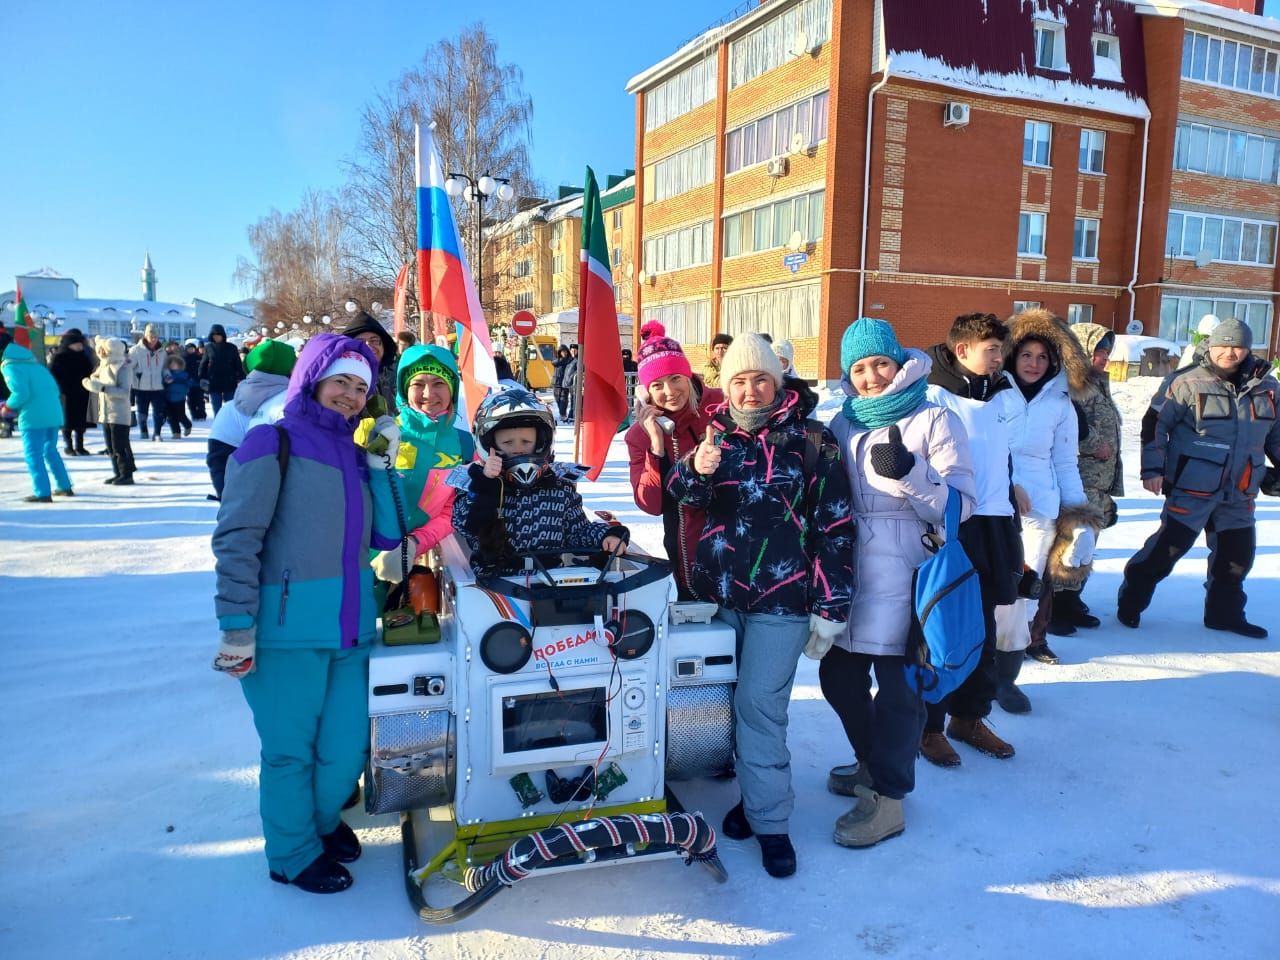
(1271, 482)
(892, 460)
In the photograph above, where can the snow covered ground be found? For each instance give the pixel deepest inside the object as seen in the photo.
(1138, 818)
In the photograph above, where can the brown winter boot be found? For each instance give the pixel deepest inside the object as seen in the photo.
(977, 735)
(935, 748)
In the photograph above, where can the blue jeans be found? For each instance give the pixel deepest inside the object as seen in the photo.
(769, 647)
(883, 730)
(40, 447)
(310, 708)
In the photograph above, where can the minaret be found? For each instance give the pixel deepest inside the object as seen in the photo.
(148, 279)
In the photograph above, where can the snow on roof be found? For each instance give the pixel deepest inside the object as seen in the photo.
(698, 46)
(1130, 348)
(1019, 86)
(618, 187)
(44, 273)
(559, 209)
(1198, 11)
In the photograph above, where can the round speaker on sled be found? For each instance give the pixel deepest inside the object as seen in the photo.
(634, 635)
(506, 647)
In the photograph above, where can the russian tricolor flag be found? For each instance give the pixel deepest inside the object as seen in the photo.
(445, 286)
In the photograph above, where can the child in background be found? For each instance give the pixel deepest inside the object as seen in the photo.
(34, 397)
(176, 387)
(517, 501)
(296, 606)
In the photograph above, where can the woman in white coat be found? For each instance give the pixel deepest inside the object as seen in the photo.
(902, 453)
(1044, 440)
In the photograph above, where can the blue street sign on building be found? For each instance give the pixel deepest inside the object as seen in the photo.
(794, 261)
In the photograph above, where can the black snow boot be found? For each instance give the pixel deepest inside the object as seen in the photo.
(1241, 626)
(343, 844)
(1069, 608)
(735, 825)
(322, 875)
(1008, 694)
(777, 854)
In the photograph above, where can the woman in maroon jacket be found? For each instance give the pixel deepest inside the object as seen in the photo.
(671, 418)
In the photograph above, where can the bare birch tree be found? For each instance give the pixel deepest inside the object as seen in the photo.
(298, 264)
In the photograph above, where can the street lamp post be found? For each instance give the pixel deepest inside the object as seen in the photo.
(459, 184)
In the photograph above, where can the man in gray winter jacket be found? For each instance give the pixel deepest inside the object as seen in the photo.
(1205, 452)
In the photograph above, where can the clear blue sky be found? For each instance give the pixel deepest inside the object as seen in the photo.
(171, 127)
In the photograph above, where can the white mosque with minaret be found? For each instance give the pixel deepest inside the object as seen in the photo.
(54, 302)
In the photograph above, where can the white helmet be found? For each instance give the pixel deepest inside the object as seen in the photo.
(1207, 324)
(517, 407)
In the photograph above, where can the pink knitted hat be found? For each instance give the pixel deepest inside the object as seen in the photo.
(660, 356)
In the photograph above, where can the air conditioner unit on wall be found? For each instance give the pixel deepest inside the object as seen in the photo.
(955, 114)
(777, 167)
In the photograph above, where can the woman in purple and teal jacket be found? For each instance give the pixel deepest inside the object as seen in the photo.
(295, 602)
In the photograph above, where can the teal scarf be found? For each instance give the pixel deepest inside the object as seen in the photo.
(869, 413)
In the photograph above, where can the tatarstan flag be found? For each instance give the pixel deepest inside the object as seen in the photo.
(21, 325)
(603, 405)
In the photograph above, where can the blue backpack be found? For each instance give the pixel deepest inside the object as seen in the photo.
(949, 627)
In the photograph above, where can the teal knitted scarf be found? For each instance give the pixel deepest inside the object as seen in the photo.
(869, 413)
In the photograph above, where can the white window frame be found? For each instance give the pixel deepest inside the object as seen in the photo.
(1180, 314)
(679, 249)
(771, 44)
(1034, 133)
(679, 94)
(1031, 216)
(1020, 305)
(1222, 62)
(1086, 230)
(815, 105)
(687, 321)
(1231, 144)
(685, 170)
(524, 300)
(617, 218)
(1093, 142)
(752, 222)
(1079, 313)
(1058, 47)
(1219, 227)
(787, 312)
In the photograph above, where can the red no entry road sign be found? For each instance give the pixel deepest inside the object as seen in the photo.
(524, 323)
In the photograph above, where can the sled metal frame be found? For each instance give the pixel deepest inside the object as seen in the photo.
(484, 841)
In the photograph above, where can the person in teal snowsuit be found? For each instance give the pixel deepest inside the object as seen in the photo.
(296, 607)
(34, 397)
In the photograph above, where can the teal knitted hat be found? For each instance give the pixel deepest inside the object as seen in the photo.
(869, 337)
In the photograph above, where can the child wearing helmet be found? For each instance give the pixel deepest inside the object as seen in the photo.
(516, 500)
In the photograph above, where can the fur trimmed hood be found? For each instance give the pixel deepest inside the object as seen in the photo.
(1081, 377)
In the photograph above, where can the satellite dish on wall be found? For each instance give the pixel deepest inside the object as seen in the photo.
(631, 270)
(1134, 328)
(799, 142)
(795, 241)
(800, 44)
(1204, 258)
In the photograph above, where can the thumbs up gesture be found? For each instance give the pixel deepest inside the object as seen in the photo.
(892, 459)
(493, 464)
(706, 459)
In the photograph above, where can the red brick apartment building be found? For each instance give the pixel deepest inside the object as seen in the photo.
(809, 161)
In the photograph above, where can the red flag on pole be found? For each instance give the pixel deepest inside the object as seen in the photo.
(603, 405)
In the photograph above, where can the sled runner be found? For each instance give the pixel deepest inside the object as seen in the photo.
(541, 732)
